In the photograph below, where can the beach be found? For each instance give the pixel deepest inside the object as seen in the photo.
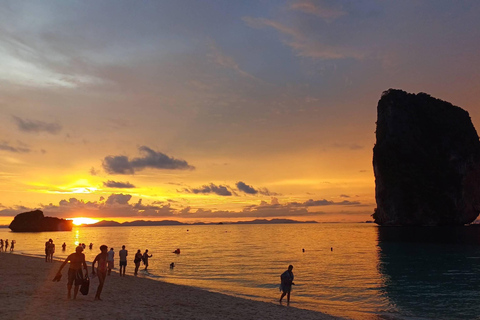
(28, 292)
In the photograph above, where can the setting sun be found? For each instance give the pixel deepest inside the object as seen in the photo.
(81, 220)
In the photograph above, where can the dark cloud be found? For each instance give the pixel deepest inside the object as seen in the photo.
(118, 199)
(116, 184)
(352, 146)
(242, 186)
(246, 188)
(36, 126)
(4, 145)
(150, 159)
(324, 202)
(118, 205)
(211, 188)
(344, 196)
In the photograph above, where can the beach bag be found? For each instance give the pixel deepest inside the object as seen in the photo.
(85, 286)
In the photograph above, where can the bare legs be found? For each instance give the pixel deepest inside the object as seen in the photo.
(288, 297)
(101, 279)
(137, 265)
(75, 291)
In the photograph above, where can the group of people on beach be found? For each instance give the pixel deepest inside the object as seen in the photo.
(105, 263)
(7, 244)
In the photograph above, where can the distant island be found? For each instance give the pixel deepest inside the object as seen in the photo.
(35, 221)
(136, 223)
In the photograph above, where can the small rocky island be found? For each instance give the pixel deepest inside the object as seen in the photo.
(35, 221)
(426, 162)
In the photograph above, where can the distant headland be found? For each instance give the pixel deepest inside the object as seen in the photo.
(35, 221)
(109, 223)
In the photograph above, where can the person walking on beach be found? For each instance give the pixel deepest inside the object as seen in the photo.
(6, 245)
(102, 259)
(123, 260)
(75, 273)
(64, 246)
(111, 254)
(137, 260)
(145, 258)
(286, 284)
(12, 245)
(1, 245)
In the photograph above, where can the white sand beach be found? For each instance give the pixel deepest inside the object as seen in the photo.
(27, 292)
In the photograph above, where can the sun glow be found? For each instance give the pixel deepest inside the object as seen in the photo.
(81, 220)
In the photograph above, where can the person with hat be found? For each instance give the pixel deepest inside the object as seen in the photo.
(75, 272)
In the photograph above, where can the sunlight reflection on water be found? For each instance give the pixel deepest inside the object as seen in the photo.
(344, 271)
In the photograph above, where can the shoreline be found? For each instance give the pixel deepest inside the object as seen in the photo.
(28, 292)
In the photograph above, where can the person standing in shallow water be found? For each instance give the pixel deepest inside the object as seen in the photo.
(75, 273)
(145, 258)
(102, 259)
(286, 284)
(137, 260)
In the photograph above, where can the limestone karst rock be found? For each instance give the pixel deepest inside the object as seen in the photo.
(35, 221)
(426, 162)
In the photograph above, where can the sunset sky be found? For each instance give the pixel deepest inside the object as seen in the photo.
(198, 110)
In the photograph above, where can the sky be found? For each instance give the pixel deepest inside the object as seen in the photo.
(215, 110)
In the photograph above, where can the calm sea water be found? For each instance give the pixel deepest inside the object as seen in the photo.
(358, 271)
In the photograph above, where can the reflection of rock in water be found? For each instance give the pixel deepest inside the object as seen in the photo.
(431, 272)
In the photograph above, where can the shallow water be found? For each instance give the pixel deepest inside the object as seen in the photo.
(352, 270)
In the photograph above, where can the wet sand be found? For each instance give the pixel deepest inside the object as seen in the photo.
(27, 292)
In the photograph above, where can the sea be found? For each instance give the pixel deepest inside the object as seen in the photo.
(351, 270)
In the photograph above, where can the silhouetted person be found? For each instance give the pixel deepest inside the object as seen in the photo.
(137, 260)
(1, 244)
(286, 284)
(64, 246)
(123, 260)
(75, 273)
(90, 246)
(145, 258)
(46, 250)
(111, 255)
(102, 259)
(6, 245)
(12, 245)
(51, 250)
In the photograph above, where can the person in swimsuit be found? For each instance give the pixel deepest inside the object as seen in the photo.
(75, 273)
(102, 259)
(286, 284)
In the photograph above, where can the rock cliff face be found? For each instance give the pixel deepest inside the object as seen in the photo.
(35, 221)
(426, 162)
